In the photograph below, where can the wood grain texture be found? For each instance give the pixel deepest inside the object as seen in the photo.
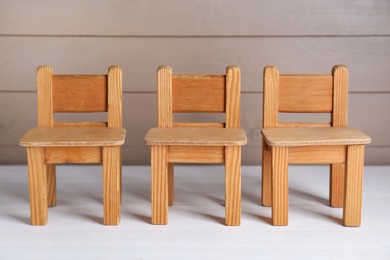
(314, 136)
(203, 18)
(337, 185)
(112, 184)
(159, 185)
(171, 184)
(233, 186)
(164, 96)
(196, 154)
(51, 185)
(323, 154)
(279, 155)
(37, 185)
(73, 154)
(114, 98)
(78, 93)
(266, 176)
(198, 93)
(315, 93)
(196, 136)
(73, 136)
(339, 118)
(233, 97)
(353, 186)
(270, 96)
(45, 96)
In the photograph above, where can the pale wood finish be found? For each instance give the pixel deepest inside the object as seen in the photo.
(279, 179)
(37, 185)
(159, 172)
(75, 142)
(353, 186)
(112, 184)
(233, 185)
(311, 143)
(295, 136)
(196, 142)
(74, 136)
(73, 154)
(196, 154)
(196, 136)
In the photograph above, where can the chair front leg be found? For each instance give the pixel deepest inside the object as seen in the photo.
(38, 185)
(111, 184)
(159, 176)
(233, 185)
(353, 186)
(279, 157)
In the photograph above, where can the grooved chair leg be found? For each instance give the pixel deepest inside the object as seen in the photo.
(159, 172)
(171, 184)
(51, 185)
(353, 186)
(233, 185)
(266, 190)
(111, 184)
(336, 192)
(279, 185)
(37, 185)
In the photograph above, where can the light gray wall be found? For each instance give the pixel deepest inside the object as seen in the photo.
(194, 37)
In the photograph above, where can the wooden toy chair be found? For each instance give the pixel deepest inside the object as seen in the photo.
(185, 142)
(311, 143)
(65, 142)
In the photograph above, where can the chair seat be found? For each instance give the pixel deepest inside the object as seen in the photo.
(304, 136)
(196, 136)
(73, 136)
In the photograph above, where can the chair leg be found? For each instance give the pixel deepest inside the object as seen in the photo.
(279, 185)
(266, 191)
(111, 184)
(353, 186)
(233, 185)
(51, 185)
(336, 192)
(159, 172)
(38, 186)
(171, 184)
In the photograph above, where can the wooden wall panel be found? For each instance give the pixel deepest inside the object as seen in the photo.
(201, 17)
(15, 121)
(366, 57)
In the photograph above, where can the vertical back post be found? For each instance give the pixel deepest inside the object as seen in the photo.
(340, 96)
(233, 91)
(270, 96)
(45, 96)
(114, 96)
(164, 99)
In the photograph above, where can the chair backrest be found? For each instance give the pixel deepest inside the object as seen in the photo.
(305, 93)
(198, 94)
(79, 93)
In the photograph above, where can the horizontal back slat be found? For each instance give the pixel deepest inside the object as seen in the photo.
(198, 94)
(304, 124)
(79, 93)
(198, 124)
(305, 93)
(80, 124)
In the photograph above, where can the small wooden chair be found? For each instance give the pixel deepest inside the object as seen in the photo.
(191, 142)
(311, 142)
(75, 142)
